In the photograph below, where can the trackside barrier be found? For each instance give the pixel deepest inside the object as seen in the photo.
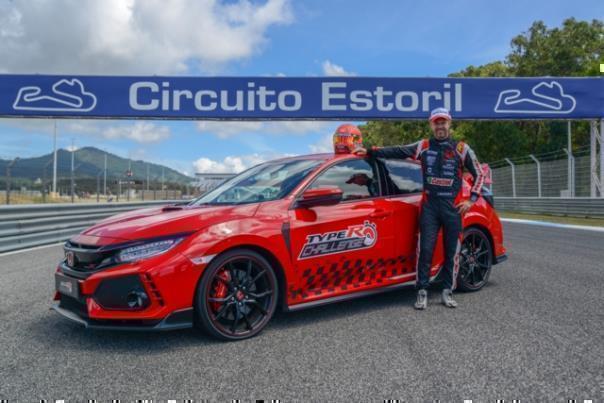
(575, 207)
(24, 226)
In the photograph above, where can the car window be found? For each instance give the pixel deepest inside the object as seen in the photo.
(264, 182)
(403, 177)
(356, 179)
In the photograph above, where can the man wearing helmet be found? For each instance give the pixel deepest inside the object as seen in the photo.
(347, 138)
(442, 160)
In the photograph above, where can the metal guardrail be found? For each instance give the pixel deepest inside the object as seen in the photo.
(576, 207)
(24, 226)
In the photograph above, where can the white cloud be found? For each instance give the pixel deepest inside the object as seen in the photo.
(132, 36)
(228, 129)
(325, 145)
(230, 164)
(333, 70)
(141, 132)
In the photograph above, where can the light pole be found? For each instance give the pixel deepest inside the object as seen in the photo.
(98, 185)
(129, 176)
(105, 176)
(8, 169)
(54, 159)
(162, 182)
(72, 170)
(44, 180)
(143, 192)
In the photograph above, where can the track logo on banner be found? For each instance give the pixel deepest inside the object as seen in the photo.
(361, 236)
(64, 96)
(544, 97)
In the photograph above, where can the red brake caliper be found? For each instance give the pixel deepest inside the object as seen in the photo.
(220, 287)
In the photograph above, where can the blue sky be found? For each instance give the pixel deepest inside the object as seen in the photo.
(272, 37)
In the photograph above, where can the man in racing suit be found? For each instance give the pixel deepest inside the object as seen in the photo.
(442, 161)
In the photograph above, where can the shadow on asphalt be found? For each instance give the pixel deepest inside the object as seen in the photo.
(53, 330)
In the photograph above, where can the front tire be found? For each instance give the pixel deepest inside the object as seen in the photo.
(236, 296)
(475, 260)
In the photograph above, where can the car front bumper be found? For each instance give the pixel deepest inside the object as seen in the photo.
(97, 300)
(180, 319)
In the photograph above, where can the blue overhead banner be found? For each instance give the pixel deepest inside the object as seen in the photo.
(341, 98)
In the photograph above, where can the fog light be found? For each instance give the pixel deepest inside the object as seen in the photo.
(126, 292)
(137, 299)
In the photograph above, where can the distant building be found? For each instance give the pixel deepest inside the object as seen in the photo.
(208, 181)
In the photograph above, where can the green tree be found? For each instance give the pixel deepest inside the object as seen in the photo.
(574, 49)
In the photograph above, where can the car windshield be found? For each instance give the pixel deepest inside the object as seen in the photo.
(264, 182)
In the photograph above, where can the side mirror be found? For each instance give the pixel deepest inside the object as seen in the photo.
(325, 196)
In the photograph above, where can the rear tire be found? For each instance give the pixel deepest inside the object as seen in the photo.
(475, 260)
(236, 296)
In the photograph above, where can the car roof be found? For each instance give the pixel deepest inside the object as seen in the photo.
(328, 157)
(322, 156)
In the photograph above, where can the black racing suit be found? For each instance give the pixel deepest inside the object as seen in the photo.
(442, 167)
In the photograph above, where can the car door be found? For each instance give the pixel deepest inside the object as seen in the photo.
(341, 248)
(404, 184)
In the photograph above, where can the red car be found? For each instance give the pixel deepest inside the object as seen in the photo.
(291, 233)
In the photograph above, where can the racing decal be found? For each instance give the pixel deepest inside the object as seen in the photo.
(360, 236)
(439, 181)
(349, 274)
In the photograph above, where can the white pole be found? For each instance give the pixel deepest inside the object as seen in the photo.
(72, 169)
(571, 182)
(513, 176)
(538, 173)
(105, 175)
(54, 160)
(570, 158)
(593, 154)
(602, 158)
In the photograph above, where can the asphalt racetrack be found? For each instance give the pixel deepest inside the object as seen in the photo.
(535, 333)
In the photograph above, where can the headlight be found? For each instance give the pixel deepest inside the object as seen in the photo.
(146, 250)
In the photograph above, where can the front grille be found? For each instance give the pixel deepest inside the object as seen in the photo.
(87, 258)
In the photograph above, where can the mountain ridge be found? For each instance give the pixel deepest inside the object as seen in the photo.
(89, 161)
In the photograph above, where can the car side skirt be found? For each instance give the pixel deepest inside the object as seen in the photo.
(354, 295)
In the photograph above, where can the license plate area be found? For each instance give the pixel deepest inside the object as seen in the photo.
(67, 285)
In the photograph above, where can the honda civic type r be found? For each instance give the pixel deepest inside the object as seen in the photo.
(291, 233)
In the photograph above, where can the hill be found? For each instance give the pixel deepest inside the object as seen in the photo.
(89, 161)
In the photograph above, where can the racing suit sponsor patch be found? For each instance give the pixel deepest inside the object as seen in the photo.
(440, 181)
(361, 236)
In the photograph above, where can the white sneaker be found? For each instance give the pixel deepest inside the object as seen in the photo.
(422, 299)
(447, 298)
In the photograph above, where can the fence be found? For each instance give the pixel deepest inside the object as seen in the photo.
(554, 174)
(26, 196)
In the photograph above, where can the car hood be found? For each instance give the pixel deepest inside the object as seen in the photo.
(159, 222)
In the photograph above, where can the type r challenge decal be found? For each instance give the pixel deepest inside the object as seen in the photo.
(360, 236)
